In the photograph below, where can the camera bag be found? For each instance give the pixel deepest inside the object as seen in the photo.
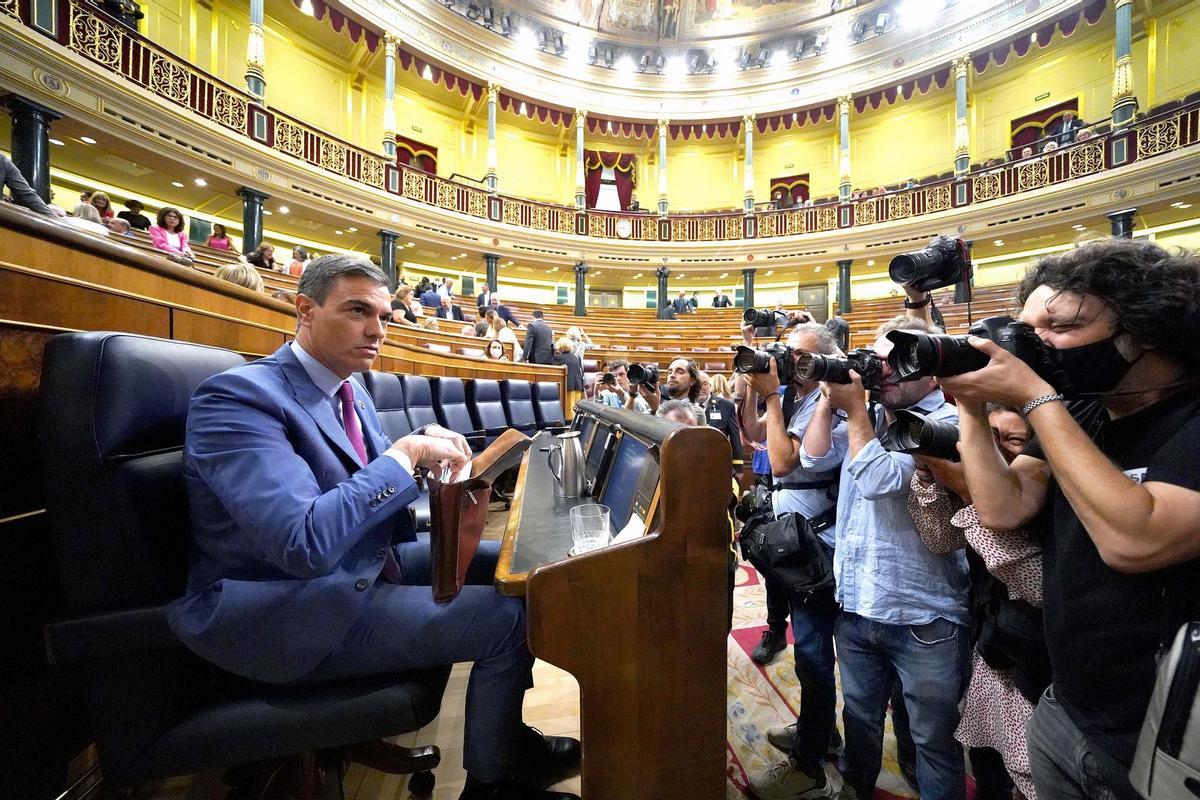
(789, 549)
(1167, 763)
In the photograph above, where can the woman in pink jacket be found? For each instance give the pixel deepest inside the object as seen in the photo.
(169, 234)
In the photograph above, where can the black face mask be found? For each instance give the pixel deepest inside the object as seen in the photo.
(1093, 368)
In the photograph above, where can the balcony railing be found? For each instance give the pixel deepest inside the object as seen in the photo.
(87, 31)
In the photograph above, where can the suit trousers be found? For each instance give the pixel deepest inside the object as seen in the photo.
(402, 628)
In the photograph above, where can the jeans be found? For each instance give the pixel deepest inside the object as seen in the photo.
(813, 619)
(931, 663)
(779, 605)
(402, 628)
(1065, 766)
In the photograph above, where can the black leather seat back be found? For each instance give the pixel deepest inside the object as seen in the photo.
(517, 398)
(388, 395)
(111, 431)
(483, 398)
(547, 405)
(418, 400)
(450, 402)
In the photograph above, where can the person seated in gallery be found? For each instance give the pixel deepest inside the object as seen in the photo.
(168, 233)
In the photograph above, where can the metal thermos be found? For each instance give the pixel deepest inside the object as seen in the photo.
(568, 476)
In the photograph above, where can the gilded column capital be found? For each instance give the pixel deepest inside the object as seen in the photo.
(748, 120)
(1119, 3)
(962, 66)
(493, 92)
(662, 125)
(580, 117)
(390, 40)
(843, 103)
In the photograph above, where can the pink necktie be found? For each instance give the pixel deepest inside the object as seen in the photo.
(391, 567)
(350, 421)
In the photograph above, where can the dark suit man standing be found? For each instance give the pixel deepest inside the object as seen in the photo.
(680, 304)
(448, 310)
(304, 566)
(720, 415)
(484, 300)
(693, 302)
(721, 300)
(22, 193)
(840, 329)
(539, 341)
(1064, 131)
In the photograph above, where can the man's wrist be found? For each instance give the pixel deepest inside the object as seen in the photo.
(400, 458)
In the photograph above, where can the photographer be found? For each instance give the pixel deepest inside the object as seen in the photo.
(904, 608)
(1117, 474)
(614, 390)
(809, 490)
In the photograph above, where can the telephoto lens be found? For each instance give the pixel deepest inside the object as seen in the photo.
(644, 375)
(943, 263)
(608, 378)
(748, 360)
(915, 433)
(816, 367)
(917, 355)
(758, 318)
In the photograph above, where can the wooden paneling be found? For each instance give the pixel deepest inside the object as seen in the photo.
(231, 334)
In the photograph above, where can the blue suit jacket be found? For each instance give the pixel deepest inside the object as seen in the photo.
(288, 531)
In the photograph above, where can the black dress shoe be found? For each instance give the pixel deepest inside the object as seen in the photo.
(545, 757)
(509, 790)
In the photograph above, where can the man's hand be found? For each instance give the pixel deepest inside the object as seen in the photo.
(55, 211)
(947, 473)
(431, 452)
(457, 439)
(849, 397)
(1006, 380)
(765, 383)
(748, 335)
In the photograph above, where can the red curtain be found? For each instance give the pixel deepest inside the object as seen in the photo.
(416, 154)
(1031, 127)
(624, 167)
(793, 186)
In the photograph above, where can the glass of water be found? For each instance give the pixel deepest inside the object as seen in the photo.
(589, 527)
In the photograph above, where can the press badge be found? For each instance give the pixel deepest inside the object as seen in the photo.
(1136, 475)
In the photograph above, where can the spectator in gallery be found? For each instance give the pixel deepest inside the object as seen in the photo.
(776, 199)
(133, 214)
(263, 257)
(1050, 147)
(241, 274)
(86, 196)
(1026, 151)
(88, 212)
(564, 355)
(219, 239)
(22, 193)
(299, 259)
(103, 206)
(168, 233)
(119, 226)
(1064, 131)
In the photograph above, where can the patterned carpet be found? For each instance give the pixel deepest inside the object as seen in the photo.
(760, 697)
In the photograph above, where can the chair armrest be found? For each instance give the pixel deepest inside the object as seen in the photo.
(104, 635)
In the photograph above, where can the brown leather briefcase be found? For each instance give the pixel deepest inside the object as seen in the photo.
(458, 512)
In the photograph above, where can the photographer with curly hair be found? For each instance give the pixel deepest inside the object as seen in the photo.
(1116, 474)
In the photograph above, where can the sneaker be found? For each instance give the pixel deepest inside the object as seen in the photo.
(772, 642)
(782, 736)
(784, 782)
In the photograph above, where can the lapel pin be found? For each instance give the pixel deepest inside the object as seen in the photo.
(361, 404)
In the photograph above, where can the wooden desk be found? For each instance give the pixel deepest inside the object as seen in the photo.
(642, 625)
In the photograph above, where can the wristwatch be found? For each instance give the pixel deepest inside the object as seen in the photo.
(920, 304)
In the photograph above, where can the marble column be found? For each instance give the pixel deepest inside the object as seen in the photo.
(492, 265)
(31, 141)
(1122, 222)
(389, 95)
(748, 184)
(1124, 101)
(844, 285)
(662, 273)
(843, 108)
(491, 177)
(256, 58)
(387, 256)
(962, 289)
(748, 288)
(252, 217)
(962, 134)
(580, 122)
(664, 130)
(581, 271)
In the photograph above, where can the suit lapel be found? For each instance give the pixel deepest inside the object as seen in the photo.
(316, 404)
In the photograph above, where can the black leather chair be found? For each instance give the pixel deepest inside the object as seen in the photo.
(418, 400)
(547, 405)
(450, 404)
(517, 398)
(111, 432)
(487, 409)
(387, 392)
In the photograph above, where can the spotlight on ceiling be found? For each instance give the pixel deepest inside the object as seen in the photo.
(744, 59)
(803, 48)
(592, 54)
(820, 43)
(659, 63)
(474, 12)
(881, 22)
(489, 17)
(609, 57)
(644, 63)
(764, 55)
(859, 30)
(506, 26)
(692, 64)
(543, 39)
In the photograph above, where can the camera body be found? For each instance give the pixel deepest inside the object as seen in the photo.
(747, 360)
(608, 379)
(916, 355)
(640, 375)
(946, 261)
(759, 318)
(915, 433)
(836, 369)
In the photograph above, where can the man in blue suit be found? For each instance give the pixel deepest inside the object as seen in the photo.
(304, 566)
